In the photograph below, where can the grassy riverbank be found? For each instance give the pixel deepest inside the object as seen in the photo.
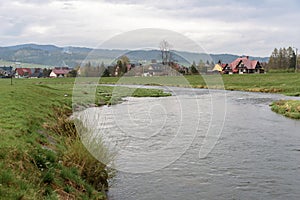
(288, 108)
(283, 83)
(41, 156)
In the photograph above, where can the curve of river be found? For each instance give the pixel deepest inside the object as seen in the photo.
(255, 153)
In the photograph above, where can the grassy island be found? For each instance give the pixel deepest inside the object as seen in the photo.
(288, 108)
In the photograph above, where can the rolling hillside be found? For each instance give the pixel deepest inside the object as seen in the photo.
(50, 55)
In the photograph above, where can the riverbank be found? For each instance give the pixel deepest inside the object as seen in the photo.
(41, 154)
(283, 83)
(288, 108)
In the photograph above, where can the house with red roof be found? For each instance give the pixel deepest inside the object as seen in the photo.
(244, 65)
(59, 72)
(23, 72)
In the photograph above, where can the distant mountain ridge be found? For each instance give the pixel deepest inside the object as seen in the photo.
(34, 46)
(51, 55)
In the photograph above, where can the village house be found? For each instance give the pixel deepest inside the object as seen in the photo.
(153, 69)
(158, 69)
(220, 67)
(23, 72)
(36, 73)
(59, 72)
(28, 72)
(243, 65)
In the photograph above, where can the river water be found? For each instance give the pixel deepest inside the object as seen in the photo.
(201, 144)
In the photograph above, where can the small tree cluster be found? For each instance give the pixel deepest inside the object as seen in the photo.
(46, 72)
(202, 67)
(91, 71)
(122, 64)
(194, 69)
(283, 59)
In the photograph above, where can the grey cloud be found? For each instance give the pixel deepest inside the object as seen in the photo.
(33, 1)
(226, 10)
(16, 29)
(262, 25)
(42, 2)
(150, 38)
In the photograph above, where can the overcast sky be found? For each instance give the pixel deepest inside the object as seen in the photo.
(253, 27)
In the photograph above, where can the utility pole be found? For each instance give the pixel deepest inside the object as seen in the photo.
(296, 65)
(11, 75)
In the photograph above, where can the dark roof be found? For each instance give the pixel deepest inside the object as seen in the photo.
(4, 68)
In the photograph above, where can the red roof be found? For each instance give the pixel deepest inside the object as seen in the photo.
(23, 71)
(223, 65)
(249, 64)
(61, 71)
(254, 63)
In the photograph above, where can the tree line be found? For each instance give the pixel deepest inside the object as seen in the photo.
(283, 59)
(88, 70)
(119, 69)
(201, 67)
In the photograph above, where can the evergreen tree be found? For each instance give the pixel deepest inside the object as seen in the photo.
(72, 73)
(201, 66)
(119, 67)
(87, 69)
(276, 60)
(194, 70)
(46, 72)
(105, 73)
(285, 59)
(292, 58)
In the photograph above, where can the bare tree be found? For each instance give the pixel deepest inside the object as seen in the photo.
(165, 47)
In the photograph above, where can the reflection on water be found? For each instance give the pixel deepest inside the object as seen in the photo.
(256, 157)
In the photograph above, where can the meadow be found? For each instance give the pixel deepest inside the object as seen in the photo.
(24, 65)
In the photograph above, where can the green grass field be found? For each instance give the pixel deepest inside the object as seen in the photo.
(24, 65)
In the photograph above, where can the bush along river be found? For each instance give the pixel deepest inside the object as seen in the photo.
(199, 144)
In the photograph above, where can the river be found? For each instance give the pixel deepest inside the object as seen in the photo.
(201, 144)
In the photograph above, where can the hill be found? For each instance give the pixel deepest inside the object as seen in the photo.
(51, 55)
